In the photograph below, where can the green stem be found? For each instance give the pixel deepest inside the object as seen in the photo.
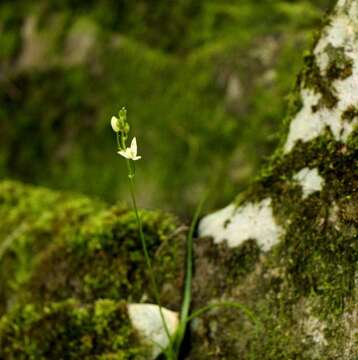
(184, 313)
(131, 174)
(146, 254)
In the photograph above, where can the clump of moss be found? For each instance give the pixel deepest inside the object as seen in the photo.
(350, 113)
(313, 243)
(62, 246)
(69, 330)
(32, 219)
(340, 66)
(312, 77)
(105, 259)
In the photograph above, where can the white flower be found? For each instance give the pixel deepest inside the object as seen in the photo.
(131, 152)
(115, 124)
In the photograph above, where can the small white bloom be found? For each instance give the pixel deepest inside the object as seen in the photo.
(131, 152)
(115, 124)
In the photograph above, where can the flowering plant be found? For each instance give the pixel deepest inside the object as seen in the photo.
(121, 127)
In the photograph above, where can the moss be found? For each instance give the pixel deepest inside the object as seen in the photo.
(69, 330)
(311, 274)
(218, 267)
(105, 260)
(350, 113)
(11, 21)
(313, 79)
(147, 56)
(229, 334)
(303, 290)
(75, 248)
(83, 249)
(32, 219)
(339, 68)
(314, 245)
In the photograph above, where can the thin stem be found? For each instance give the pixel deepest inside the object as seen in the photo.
(131, 174)
(118, 142)
(146, 254)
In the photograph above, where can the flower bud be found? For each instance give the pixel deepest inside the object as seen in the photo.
(122, 115)
(115, 123)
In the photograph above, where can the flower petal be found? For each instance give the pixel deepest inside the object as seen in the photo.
(125, 154)
(134, 147)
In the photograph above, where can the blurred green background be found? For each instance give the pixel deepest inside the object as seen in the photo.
(205, 84)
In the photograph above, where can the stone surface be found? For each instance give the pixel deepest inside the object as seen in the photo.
(238, 224)
(339, 39)
(310, 181)
(147, 320)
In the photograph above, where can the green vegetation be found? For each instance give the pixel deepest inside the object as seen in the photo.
(70, 330)
(56, 247)
(203, 81)
(303, 292)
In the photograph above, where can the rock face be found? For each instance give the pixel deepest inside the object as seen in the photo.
(301, 216)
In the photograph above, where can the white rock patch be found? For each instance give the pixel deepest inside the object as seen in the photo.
(315, 328)
(146, 319)
(342, 32)
(350, 321)
(236, 225)
(310, 180)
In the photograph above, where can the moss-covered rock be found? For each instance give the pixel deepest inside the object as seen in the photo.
(59, 246)
(105, 260)
(303, 286)
(70, 330)
(69, 268)
(31, 220)
(300, 285)
(304, 291)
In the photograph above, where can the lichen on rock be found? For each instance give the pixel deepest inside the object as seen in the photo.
(310, 181)
(237, 224)
(303, 290)
(329, 80)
